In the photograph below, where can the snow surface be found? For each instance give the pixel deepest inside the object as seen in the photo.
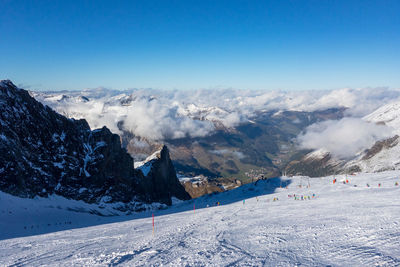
(348, 138)
(389, 114)
(24, 216)
(386, 159)
(146, 165)
(343, 225)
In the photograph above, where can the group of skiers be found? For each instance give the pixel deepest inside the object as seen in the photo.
(301, 197)
(274, 199)
(344, 181)
(347, 181)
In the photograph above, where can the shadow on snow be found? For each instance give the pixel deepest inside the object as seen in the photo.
(257, 189)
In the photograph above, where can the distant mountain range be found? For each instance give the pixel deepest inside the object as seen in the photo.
(243, 137)
(261, 144)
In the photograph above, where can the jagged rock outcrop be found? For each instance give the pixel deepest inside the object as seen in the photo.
(199, 186)
(160, 177)
(43, 152)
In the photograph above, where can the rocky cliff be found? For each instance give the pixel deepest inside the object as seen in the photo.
(201, 185)
(160, 177)
(43, 152)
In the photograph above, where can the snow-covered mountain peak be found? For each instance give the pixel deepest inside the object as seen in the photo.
(7, 83)
(317, 154)
(389, 114)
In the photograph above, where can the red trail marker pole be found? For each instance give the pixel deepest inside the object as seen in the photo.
(153, 223)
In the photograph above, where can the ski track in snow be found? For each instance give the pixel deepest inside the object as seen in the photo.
(343, 226)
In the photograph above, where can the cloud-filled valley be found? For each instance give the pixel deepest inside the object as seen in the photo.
(343, 138)
(160, 115)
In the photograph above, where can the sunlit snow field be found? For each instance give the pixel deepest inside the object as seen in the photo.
(343, 225)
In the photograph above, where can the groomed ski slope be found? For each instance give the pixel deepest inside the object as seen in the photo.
(342, 225)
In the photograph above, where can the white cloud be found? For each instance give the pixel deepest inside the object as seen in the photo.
(157, 114)
(343, 138)
(237, 154)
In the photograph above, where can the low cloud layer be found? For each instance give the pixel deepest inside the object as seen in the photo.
(343, 138)
(158, 115)
(236, 154)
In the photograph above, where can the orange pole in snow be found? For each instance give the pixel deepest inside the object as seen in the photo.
(153, 223)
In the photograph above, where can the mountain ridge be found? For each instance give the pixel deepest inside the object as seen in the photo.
(42, 152)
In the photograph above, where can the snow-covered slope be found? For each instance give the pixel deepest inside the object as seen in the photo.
(389, 114)
(342, 225)
(145, 165)
(380, 155)
(26, 216)
(384, 155)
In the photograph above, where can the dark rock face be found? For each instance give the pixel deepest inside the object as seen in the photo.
(43, 152)
(202, 188)
(202, 185)
(160, 179)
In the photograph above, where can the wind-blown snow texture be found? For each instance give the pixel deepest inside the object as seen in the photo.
(343, 225)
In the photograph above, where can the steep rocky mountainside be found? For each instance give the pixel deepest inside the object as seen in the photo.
(43, 152)
(160, 177)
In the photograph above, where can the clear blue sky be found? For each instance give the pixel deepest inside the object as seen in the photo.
(290, 45)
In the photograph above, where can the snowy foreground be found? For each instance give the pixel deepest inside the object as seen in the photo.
(342, 225)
